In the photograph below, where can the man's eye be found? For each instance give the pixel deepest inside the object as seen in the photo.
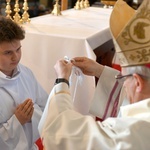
(18, 49)
(6, 53)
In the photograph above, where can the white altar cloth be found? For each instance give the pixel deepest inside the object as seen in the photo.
(74, 33)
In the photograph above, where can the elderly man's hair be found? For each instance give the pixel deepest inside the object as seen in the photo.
(141, 70)
(9, 30)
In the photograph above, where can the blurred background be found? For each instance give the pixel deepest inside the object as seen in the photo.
(42, 7)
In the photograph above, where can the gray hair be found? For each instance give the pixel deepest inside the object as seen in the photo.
(141, 70)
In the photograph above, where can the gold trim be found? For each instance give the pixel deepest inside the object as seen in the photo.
(136, 57)
(133, 42)
(135, 32)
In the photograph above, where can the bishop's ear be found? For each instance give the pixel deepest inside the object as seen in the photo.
(139, 82)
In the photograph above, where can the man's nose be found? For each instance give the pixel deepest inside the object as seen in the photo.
(15, 56)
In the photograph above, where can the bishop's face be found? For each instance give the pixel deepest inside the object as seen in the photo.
(10, 55)
(130, 87)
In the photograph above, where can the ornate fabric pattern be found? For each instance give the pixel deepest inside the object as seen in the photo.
(133, 42)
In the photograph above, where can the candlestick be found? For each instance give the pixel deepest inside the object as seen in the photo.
(77, 5)
(25, 15)
(86, 4)
(17, 17)
(82, 4)
(8, 10)
(56, 10)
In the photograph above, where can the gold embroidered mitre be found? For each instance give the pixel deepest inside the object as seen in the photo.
(131, 33)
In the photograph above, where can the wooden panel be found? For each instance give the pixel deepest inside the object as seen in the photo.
(105, 54)
(64, 4)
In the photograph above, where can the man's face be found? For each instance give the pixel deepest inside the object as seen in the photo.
(130, 87)
(10, 54)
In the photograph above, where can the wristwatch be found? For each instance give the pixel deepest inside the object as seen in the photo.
(59, 80)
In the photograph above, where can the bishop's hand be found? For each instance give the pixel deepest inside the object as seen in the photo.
(63, 69)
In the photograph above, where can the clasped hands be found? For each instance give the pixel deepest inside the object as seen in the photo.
(24, 111)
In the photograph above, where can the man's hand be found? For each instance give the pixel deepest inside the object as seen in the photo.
(63, 69)
(88, 66)
(24, 111)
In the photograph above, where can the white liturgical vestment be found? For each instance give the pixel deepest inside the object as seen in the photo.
(62, 128)
(13, 91)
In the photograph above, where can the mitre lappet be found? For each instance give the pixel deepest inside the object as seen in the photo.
(131, 33)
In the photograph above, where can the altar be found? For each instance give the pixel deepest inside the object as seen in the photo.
(74, 33)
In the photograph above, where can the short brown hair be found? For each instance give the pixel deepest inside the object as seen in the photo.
(9, 30)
